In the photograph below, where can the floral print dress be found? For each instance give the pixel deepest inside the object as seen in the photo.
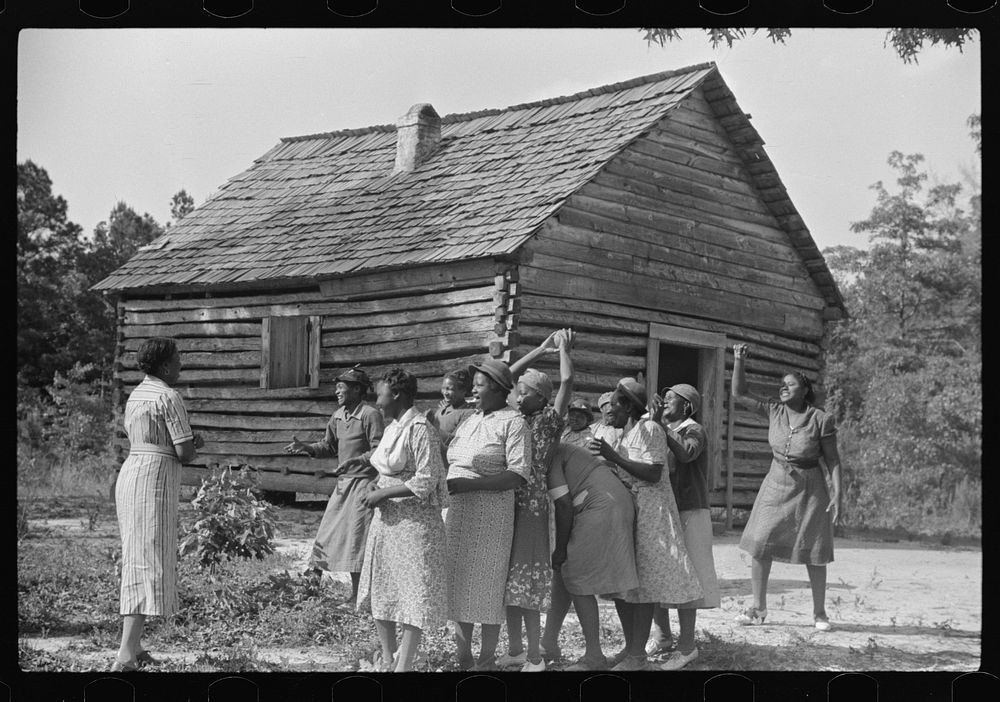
(529, 577)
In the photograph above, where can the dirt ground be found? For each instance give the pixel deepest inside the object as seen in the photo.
(893, 606)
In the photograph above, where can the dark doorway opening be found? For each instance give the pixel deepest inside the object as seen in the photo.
(677, 364)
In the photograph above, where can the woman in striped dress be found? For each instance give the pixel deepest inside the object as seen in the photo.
(147, 491)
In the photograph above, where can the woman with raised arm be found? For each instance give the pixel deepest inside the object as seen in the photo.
(403, 576)
(147, 492)
(529, 577)
(793, 516)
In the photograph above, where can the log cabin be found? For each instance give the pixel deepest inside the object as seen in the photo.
(645, 215)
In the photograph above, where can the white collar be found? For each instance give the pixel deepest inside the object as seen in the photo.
(677, 426)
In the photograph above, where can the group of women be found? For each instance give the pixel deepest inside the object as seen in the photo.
(495, 512)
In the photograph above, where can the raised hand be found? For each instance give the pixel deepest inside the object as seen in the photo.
(298, 447)
(656, 407)
(740, 350)
(198, 441)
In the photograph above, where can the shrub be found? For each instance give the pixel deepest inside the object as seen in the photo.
(230, 519)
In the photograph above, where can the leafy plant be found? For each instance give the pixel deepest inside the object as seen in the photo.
(231, 520)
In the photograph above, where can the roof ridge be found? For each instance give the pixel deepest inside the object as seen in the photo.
(455, 117)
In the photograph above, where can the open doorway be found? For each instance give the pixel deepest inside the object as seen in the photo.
(676, 364)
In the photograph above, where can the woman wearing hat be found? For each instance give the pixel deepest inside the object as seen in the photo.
(453, 409)
(688, 470)
(665, 571)
(488, 457)
(147, 491)
(403, 578)
(529, 577)
(351, 436)
(793, 515)
(578, 420)
(602, 428)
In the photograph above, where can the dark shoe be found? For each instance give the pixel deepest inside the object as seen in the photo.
(618, 657)
(585, 663)
(143, 658)
(550, 655)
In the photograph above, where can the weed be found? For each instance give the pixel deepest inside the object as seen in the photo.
(875, 581)
(22, 522)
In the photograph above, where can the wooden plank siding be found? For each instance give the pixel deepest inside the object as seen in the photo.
(673, 231)
(447, 321)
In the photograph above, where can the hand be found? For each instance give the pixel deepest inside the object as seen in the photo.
(457, 486)
(558, 558)
(552, 342)
(834, 509)
(373, 498)
(656, 408)
(568, 339)
(444, 404)
(298, 447)
(198, 441)
(600, 447)
(740, 350)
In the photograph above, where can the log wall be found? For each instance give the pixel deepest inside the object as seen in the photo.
(673, 231)
(439, 322)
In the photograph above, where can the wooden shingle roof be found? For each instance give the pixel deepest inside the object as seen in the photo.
(326, 205)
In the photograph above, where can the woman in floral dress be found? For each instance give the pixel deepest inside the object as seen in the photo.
(665, 571)
(529, 577)
(403, 576)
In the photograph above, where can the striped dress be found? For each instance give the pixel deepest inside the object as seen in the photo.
(146, 495)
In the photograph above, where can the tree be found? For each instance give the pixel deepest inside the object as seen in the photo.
(907, 42)
(903, 372)
(118, 238)
(180, 205)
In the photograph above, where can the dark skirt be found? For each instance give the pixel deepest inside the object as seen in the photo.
(789, 522)
(340, 539)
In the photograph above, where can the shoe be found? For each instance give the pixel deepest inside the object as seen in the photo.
(143, 658)
(656, 648)
(530, 667)
(678, 660)
(630, 663)
(550, 655)
(618, 657)
(488, 665)
(120, 667)
(509, 661)
(585, 663)
(751, 616)
(823, 624)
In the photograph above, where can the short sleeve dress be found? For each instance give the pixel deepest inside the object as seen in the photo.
(666, 574)
(529, 578)
(789, 522)
(147, 493)
(403, 576)
(480, 524)
(446, 421)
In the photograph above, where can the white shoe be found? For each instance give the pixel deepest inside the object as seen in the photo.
(823, 624)
(678, 660)
(509, 661)
(530, 667)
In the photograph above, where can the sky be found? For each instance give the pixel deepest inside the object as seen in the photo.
(138, 114)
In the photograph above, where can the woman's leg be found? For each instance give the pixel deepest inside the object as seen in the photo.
(759, 573)
(661, 626)
(626, 618)
(533, 630)
(131, 633)
(408, 648)
(817, 581)
(557, 613)
(387, 637)
(514, 643)
(642, 619)
(687, 619)
(488, 651)
(463, 643)
(588, 613)
(355, 580)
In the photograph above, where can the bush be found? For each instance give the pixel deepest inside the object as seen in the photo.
(231, 521)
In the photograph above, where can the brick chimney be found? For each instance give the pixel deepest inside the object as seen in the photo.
(418, 134)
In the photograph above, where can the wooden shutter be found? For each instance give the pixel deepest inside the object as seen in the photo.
(285, 352)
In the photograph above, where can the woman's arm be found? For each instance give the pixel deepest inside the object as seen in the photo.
(831, 456)
(561, 403)
(564, 525)
(375, 497)
(688, 446)
(548, 346)
(650, 472)
(505, 480)
(740, 390)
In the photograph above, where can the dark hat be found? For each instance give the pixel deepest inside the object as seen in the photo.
(355, 375)
(497, 370)
(689, 393)
(582, 406)
(634, 391)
